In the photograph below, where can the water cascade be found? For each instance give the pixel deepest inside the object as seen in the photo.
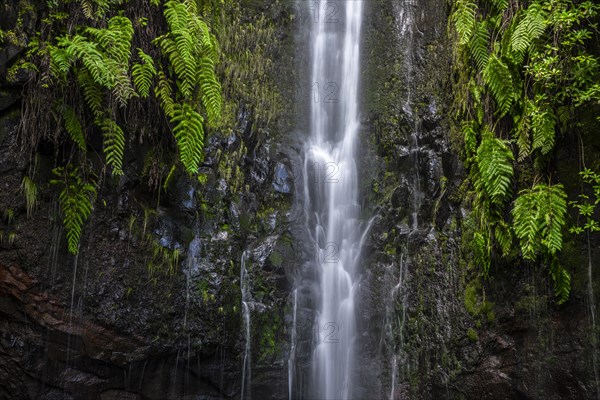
(331, 193)
(246, 371)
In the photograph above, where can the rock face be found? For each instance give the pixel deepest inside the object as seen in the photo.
(122, 321)
(442, 331)
(150, 308)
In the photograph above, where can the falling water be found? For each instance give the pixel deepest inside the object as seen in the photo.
(246, 371)
(292, 359)
(331, 192)
(592, 313)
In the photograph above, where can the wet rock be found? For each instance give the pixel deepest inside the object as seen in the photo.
(281, 179)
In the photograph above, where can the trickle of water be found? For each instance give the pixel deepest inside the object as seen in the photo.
(331, 194)
(246, 369)
(292, 359)
(592, 311)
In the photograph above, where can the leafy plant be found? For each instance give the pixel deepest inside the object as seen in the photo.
(76, 199)
(527, 67)
(29, 189)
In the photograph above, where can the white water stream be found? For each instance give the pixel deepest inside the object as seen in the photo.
(331, 193)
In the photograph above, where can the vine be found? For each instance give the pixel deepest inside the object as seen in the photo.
(528, 71)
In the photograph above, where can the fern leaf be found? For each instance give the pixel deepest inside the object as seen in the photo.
(543, 124)
(479, 45)
(503, 237)
(464, 19)
(189, 134)
(530, 27)
(143, 74)
(562, 281)
(494, 159)
(92, 92)
(73, 127)
(482, 249)
(554, 208)
(60, 62)
(498, 78)
(470, 136)
(526, 223)
(163, 92)
(75, 201)
(211, 90)
(30, 191)
(114, 144)
(539, 219)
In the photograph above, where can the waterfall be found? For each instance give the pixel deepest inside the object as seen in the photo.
(246, 369)
(331, 193)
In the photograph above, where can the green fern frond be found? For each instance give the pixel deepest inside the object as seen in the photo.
(503, 237)
(143, 74)
(562, 281)
(554, 208)
(479, 45)
(464, 19)
(92, 92)
(494, 159)
(498, 78)
(526, 223)
(500, 5)
(470, 137)
(531, 26)
(164, 93)
(543, 123)
(539, 219)
(189, 134)
(482, 247)
(60, 62)
(94, 61)
(73, 127)
(75, 199)
(211, 90)
(30, 191)
(114, 144)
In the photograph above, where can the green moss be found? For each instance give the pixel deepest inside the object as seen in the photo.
(472, 334)
(276, 258)
(471, 300)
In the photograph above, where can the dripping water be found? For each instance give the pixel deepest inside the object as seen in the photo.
(331, 196)
(246, 369)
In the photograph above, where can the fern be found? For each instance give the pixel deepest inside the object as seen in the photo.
(494, 160)
(30, 191)
(554, 209)
(92, 92)
(504, 237)
(464, 19)
(562, 281)
(470, 136)
(522, 131)
(114, 144)
(498, 78)
(479, 45)
(530, 27)
(143, 74)
(543, 123)
(75, 201)
(115, 40)
(164, 93)
(189, 133)
(482, 247)
(526, 223)
(211, 90)
(60, 62)
(539, 218)
(73, 127)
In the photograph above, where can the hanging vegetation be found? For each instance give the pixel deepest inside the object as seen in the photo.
(527, 77)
